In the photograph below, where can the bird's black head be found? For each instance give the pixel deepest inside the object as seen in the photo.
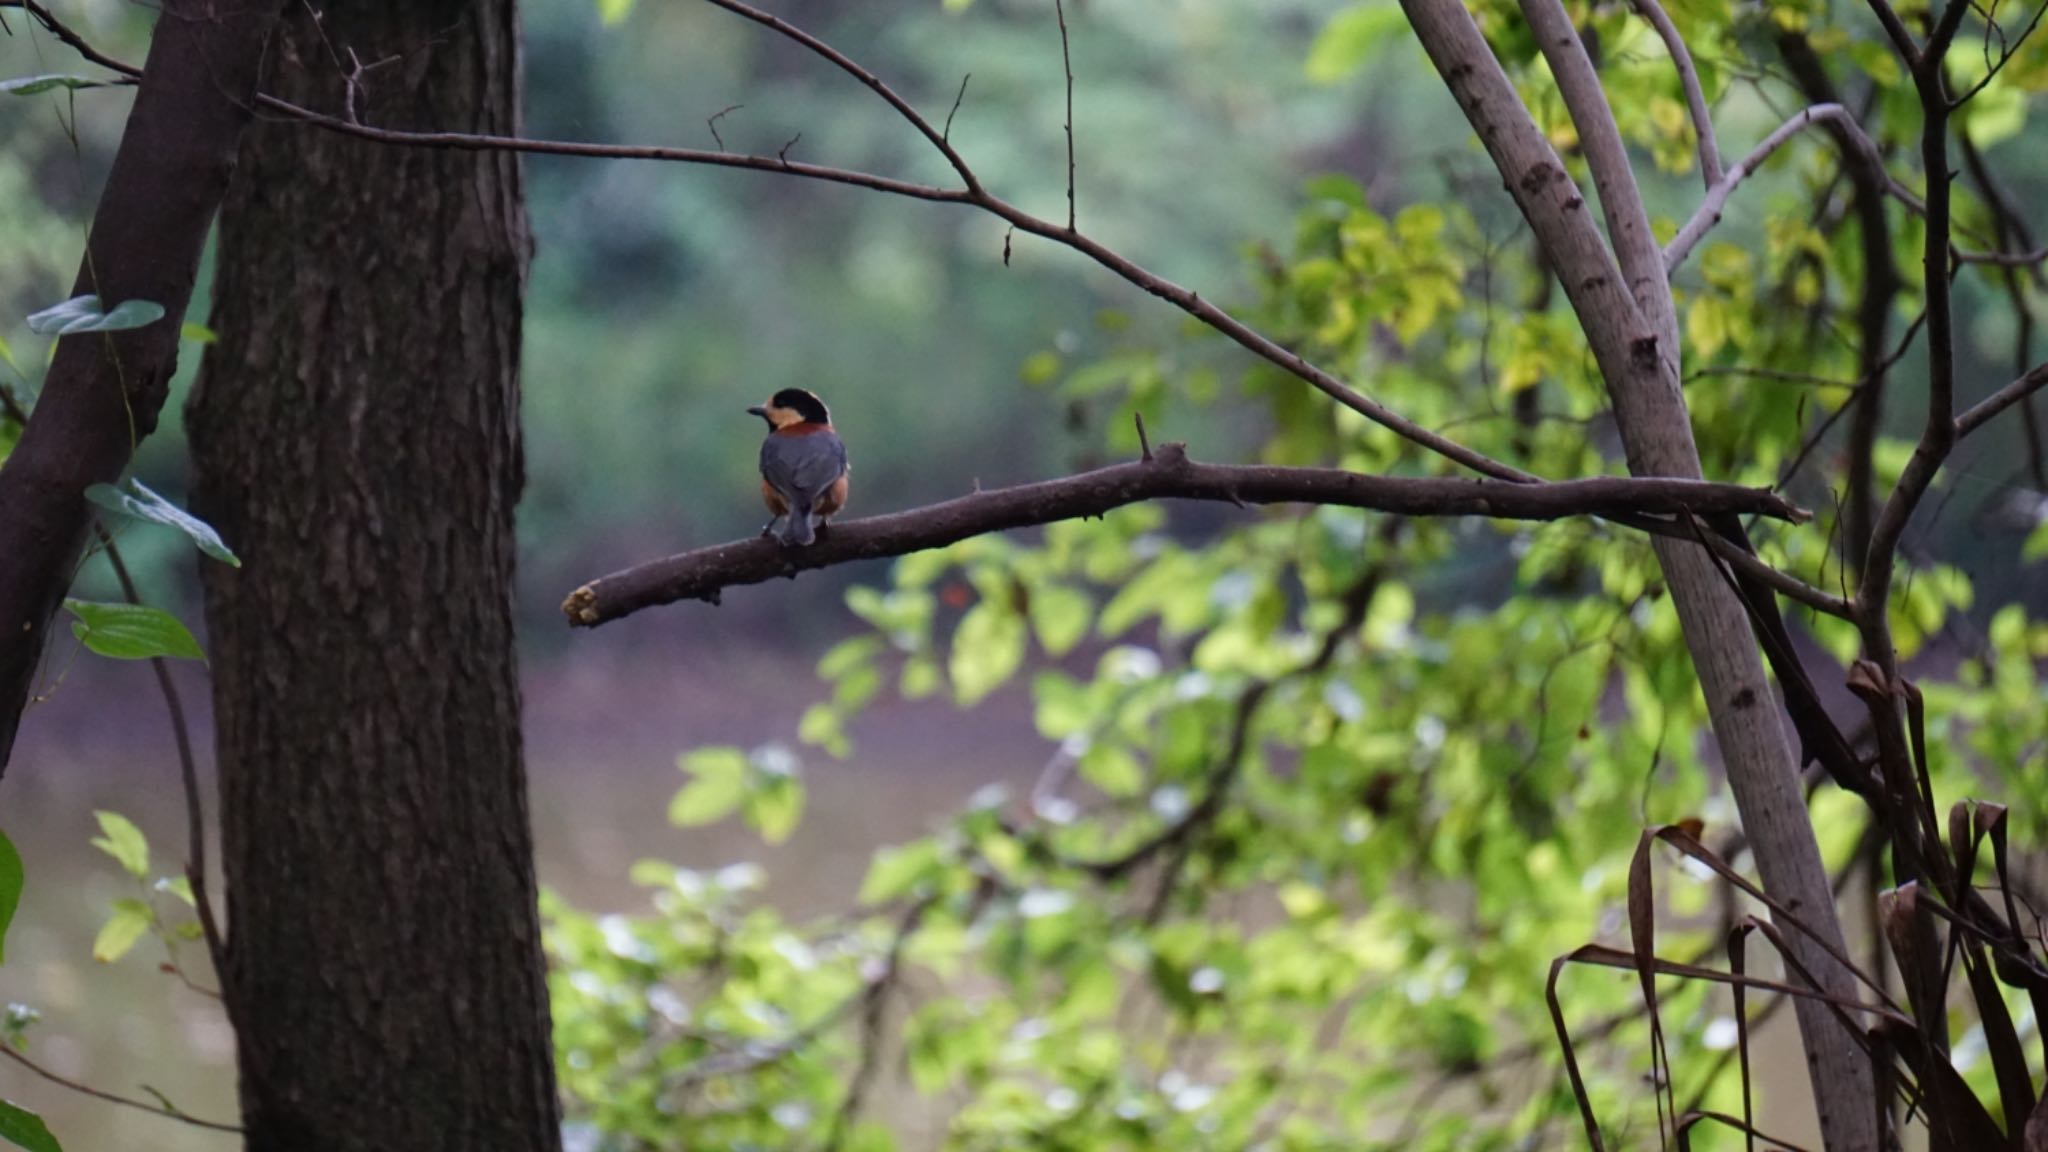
(792, 406)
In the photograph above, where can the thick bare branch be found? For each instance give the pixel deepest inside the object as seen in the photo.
(1689, 78)
(706, 572)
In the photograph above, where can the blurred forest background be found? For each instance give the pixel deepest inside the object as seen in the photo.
(664, 299)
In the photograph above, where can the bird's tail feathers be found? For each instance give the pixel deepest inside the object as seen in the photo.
(796, 526)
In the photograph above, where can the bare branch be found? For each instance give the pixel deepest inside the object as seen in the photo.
(946, 132)
(839, 60)
(1695, 97)
(1938, 436)
(1988, 408)
(703, 574)
(973, 194)
(1708, 213)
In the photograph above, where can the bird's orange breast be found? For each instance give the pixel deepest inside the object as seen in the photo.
(833, 498)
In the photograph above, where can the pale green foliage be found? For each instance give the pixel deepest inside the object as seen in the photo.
(1169, 947)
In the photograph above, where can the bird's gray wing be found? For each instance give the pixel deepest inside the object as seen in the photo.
(802, 467)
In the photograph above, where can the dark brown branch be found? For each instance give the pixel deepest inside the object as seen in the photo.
(1938, 436)
(973, 194)
(703, 574)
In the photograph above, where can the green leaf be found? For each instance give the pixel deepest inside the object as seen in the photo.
(145, 504)
(988, 647)
(24, 1129)
(30, 85)
(83, 314)
(197, 333)
(613, 11)
(1112, 768)
(718, 787)
(1350, 39)
(896, 871)
(776, 806)
(124, 842)
(1060, 616)
(131, 631)
(2036, 546)
(129, 923)
(11, 877)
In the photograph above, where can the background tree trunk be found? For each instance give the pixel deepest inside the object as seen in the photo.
(104, 391)
(356, 436)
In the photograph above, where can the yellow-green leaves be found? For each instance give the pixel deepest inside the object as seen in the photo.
(1352, 38)
(766, 788)
(130, 922)
(122, 840)
(988, 648)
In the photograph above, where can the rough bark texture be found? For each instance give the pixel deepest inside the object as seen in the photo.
(1640, 370)
(356, 436)
(103, 392)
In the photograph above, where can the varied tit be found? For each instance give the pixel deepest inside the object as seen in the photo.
(803, 466)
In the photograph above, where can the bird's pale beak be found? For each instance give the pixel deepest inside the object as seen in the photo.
(757, 410)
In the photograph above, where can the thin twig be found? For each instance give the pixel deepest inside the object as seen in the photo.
(1144, 444)
(712, 123)
(195, 802)
(1067, 61)
(946, 133)
(14, 1054)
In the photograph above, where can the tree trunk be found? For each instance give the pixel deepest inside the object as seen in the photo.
(1623, 303)
(355, 434)
(103, 392)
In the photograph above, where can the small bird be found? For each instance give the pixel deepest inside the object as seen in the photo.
(803, 465)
